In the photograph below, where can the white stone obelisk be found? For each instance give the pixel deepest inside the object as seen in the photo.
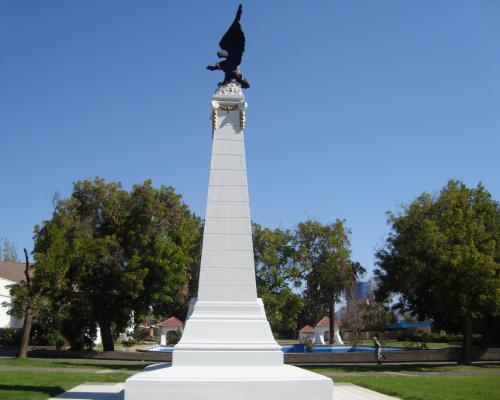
(227, 350)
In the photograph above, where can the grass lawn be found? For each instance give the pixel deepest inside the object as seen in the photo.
(75, 363)
(396, 368)
(396, 343)
(31, 385)
(431, 388)
(42, 385)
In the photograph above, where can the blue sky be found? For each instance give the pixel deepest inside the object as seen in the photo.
(355, 106)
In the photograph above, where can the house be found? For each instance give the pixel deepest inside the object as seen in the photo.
(171, 324)
(147, 329)
(321, 332)
(10, 273)
(307, 332)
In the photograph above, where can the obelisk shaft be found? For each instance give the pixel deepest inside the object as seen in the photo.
(227, 271)
(227, 324)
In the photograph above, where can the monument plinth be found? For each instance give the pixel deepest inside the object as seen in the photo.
(227, 350)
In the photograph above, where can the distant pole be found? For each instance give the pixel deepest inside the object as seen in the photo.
(28, 312)
(331, 323)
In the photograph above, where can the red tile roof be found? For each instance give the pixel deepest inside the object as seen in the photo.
(306, 329)
(13, 272)
(172, 322)
(325, 323)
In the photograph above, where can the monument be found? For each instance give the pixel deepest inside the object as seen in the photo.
(227, 350)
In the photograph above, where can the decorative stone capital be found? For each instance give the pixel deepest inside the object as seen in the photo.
(228, 106)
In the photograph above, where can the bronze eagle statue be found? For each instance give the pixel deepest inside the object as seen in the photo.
(233, 46)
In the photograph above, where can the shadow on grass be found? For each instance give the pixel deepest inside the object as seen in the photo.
(87, 364)
(92, 396)
(486, 365)
(50, 390)
(100, 365)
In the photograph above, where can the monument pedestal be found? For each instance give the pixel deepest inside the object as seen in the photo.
(227, 350)
(222, 333)
(229, 383)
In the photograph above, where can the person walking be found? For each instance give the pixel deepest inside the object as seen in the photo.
(378, 350)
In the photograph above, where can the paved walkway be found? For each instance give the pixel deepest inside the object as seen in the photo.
(114, 391)
(349, 391)
(94, 391)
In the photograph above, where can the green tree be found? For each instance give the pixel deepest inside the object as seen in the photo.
(282, 310)
(366, 314)
(376, 316)
(121, 254)
(277, 273)
(8, 251)
(442, 258)
(326, 255)
(276, 258)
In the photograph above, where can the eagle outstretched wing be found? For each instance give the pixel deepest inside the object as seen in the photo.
(233, 40)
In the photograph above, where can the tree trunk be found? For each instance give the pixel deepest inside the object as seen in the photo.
(331, 323)
(489, 331)
(28, 315)
(106, 335)
(28, 321)
(467, 340)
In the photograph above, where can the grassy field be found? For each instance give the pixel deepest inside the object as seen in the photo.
(396, 343)
(30, 385)
(477, 387)
(332, 369)
(42, 385)
(76, 363)
(431, 388)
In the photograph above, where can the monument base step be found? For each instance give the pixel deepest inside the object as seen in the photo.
(284, 382)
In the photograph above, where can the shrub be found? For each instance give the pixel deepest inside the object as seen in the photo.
(60, 343)
(10, 336)
(424, 337)
(57, 339)
(308, 345)
(128, 343)
(141, 334)
(173, 337)
(40, 335)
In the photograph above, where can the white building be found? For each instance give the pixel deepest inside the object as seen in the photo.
(171, 324)
(10, 273)
(321, 332)
(307, 332)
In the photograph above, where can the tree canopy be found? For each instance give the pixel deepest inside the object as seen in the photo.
(116, 254)
(109, 257)
(278, 271)
(8, 251)
(442, 258)
(303, 271)
(326, 255)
